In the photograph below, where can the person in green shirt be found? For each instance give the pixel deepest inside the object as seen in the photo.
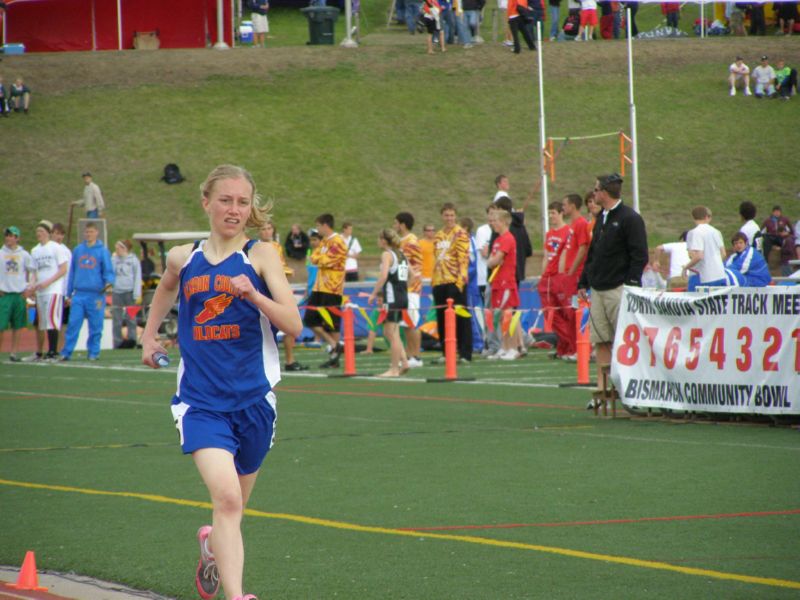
(785, 78)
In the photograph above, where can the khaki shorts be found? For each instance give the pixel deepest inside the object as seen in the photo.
(260, 23)
(603, 315)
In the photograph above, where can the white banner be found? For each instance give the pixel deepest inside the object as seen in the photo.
(733, 350)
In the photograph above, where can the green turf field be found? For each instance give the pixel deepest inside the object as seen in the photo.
(505, 487)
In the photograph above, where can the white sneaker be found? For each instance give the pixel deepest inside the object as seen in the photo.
(747, 92)
(496, 356)
(569, 357)
(413, 363)
(510, 355)
(733, 91)
(477, 39)
(33, 358)
(508, 43)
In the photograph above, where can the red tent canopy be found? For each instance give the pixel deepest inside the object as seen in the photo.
(69, 25)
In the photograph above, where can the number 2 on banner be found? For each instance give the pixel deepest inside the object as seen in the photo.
(628, 350)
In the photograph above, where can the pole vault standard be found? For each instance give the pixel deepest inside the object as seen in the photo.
(542, 133)
(632, 108)
(546, 154)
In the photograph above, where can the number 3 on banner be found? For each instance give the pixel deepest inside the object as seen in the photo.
(628, 351)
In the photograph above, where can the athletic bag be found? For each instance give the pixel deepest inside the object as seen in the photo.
(172, 174)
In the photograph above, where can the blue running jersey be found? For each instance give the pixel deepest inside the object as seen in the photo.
(229, 358)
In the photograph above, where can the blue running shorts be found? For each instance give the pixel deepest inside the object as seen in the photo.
(248, 434)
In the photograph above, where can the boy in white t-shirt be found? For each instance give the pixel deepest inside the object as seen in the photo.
(764, 76)
(739, 76)
(51, 266)
(706, 252)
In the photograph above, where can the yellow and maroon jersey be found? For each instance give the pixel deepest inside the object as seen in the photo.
(409, 245)
(330, 257)
(452, 257)
(428, 249)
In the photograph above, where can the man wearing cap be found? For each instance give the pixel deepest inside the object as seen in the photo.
(617, 256)
(92, 199)
(51, 266)
(16, 265)
(764, 76)
(739, 76)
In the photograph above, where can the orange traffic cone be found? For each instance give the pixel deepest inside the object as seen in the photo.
(28, 578)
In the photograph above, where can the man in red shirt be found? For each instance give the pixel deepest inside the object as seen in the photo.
(554, 286)
(502, 265)
(575, 251)
(578, 243)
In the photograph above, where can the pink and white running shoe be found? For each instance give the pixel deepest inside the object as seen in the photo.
(207, 577)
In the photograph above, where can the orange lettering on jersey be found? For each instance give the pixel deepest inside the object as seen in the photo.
(213, 307)
(222, 283)
(215, 332)
(196, 284)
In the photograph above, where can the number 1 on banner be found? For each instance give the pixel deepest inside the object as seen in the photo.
(796, 336)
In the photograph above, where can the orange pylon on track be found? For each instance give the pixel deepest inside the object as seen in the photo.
(28, 577)
(583, 346)
(450, 349)
(450, 354)
(349, 342)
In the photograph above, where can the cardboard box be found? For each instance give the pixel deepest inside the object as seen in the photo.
(146, 40)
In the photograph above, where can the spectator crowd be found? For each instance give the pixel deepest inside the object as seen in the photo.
(475, 267)
(66, 287)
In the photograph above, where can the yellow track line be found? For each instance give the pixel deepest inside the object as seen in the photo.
(622, 560)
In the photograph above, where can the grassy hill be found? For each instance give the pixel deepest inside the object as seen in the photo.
(365, 133)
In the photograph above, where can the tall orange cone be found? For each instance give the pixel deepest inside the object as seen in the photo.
(28, 578)
(349, 342)
(583, 347)
(450, 350)
(450, 358)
